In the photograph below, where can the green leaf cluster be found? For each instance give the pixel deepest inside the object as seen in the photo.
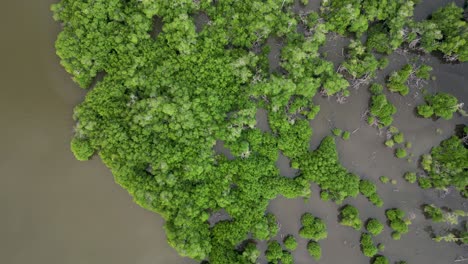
(446, 31)
(397, 222)
(410, 177)
(440, 104)
(290, 243)
(397, 82)
(367, 246)
(349, 216)
(322, 167)
(374, 227)
(380, 260)
(447, 165)
(381, 110)
(314, 250)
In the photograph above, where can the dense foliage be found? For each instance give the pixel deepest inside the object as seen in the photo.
(314, 250)
(397, 222)
(441, 105)
(312, 227)
(447, 165)
(369, 190)
(374, 227)
(446, 31)
(410, 177)
(367, 246)
(397, 82)
(274, 252)
(349, 216)
(290, 243)
(381, 110)
(380, 260)
(450, 217)
(400, 153)
(166, 99)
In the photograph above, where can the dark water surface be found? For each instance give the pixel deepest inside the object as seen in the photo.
(55, 209)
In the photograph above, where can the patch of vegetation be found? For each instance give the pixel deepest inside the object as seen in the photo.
(312, 227)
(322, 167)
(442, 105)
(446, 166)
(445, 31)
(346, 135)
(399, 138)
(314, 250)
(451, 217)
(381, 110)
(390, 143)
(369, 190)
(397, 82)
(349, 216)
(374, 227)
(424, 72)
(290, 243)
(380, 260)
(384, 179)
(361, 63)
(367, 246)
(401, 153)
(410, 177)
(274, 251)
(397, 222)
(337, 132)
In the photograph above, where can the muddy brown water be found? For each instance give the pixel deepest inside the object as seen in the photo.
(55, 209)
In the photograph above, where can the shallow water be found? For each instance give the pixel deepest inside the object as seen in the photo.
(58, 210)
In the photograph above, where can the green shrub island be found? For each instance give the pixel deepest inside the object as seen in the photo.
(346, 135)
(312, 227)
(369, 190)
(401, 153)
(399, 138)
(349, 216)
(442, 105)
(374, 227)
(274, 251)
(410, 177)
(314, 250)
(380, 260)
(397, 222)
(384, 179)
(158, 102)
(381, 110)
(287, 258)
(337, 132)
(367, 246)
(397, 82)
(290, 243)
(446, 165)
